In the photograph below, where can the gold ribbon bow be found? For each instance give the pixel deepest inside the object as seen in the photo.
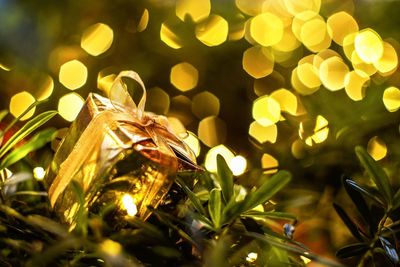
(169, 147)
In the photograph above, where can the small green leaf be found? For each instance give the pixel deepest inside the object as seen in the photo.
(36, 142)
(349, 223)
(225, 178)
(28, 128)
(267, 190)
(192, 196)
(215, 207)
(352, 250)
(270, 214)
(376, 172)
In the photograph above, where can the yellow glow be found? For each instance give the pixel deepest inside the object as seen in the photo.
(295, 6)
(388, 62)
(238, 165)
(211, 157)
(313, 33)
(39, 173)
(288, 42)
(46, 88)
(322, 56)
(104, 83)
(266, 29)
(213, 31)
(266, 110)
(269, 83)
(332, 73)
(169, 37)
(258, 61)
(212, 131)
(359, 64)
(348, 45)
(4, 67)
(321, 135)
(297, 149)
(368, 45)
(205, 104)
(176, 126)
(110, 247)
(340, 25)
(144, 20)
(250, 7)
(377, 148)
(269, 162)
(236, 31)
(308, 75)
(263, 133)
(193, 142)
(20, 103)
(300, 19)
(355, 84)
(305, 260)
(184, 76)
(286, 99)
(97, 39)
(70, 105)
(251, 257)
(320, 123)
(157, 101)
(391, 99)
(196, 9)
(129, 204)
(73, 74)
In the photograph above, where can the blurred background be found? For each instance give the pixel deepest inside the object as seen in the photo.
(269, 84)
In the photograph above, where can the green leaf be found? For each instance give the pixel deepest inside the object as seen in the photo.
(3, 114)
(352, 250)
(225, 178)
(349, 223)
(15, 120)
(192, 196)
(376, 172)
(36, 142)
(396, 200)
(365, 192)
(215, 207)
(28, 128)
(270, 214)
(267, 190)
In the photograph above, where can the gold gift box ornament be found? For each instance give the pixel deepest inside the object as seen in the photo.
(117, 153)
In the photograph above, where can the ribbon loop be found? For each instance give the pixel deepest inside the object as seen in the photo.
(119, 94)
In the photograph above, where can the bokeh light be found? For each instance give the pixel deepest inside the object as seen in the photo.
(45, 88)
(39, 173)
(391, 98)
(210, 161)
(212, 131)
(213, 31)
(258, 61)
(20, 102)
(340, 25)
(355, 84)
(128, 203)
(205, 104)
(157, 101)
(184, 76)
(238, 165)
(263, 134)
(368, 45)
(389, 60)
(269, 163)
(97, 39)
(73, 74)
(266, 29)
(333, 72)
(377, 148)
(193, 142)
(169, 37)
(197, 10)
(286, 99)
(70, 105)
(266, 110)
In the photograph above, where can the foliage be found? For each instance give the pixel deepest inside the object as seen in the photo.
(377, 230)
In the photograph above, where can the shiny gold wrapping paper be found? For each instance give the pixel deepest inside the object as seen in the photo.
(115, 148)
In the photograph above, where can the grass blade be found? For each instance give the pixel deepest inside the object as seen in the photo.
(192, 196)
(270, 215)
(215, 207)
(28, 128)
